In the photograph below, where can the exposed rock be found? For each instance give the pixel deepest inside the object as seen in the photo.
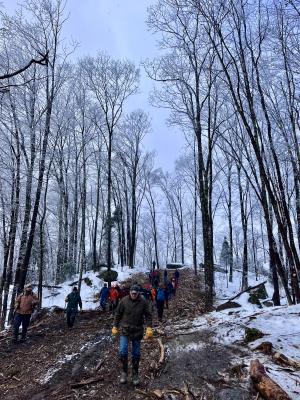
(228, 305)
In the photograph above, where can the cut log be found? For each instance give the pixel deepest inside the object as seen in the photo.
(267, 388)
(286, 361)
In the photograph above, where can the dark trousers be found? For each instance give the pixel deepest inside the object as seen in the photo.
(71, 315)
(24, 320)
(160, 308)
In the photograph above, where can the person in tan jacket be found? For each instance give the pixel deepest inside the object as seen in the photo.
(24, 306)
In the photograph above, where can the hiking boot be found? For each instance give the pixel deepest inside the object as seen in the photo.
(135, 378)
(135, 371)
(124, 374)
(124, 377)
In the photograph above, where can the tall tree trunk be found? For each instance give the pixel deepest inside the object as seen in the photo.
(13, 231)
(230, 229)
(244, 220)
(95, 234)
(83, 217)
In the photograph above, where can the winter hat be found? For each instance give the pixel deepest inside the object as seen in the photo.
(28, 286)
(135, 288)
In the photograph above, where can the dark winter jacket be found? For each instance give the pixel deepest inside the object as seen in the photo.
(130, 315)
(73, 299)
(104, 293)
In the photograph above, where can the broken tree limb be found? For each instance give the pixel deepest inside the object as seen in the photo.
(237, 295)
(48, 286)
(267, 348)
(247, 290)
(86, 382)
(162, 352)
(99, 365)
(268, 389)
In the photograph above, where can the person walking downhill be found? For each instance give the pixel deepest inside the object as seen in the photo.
(176, 276)
(74, 300)
(160, 301)
(24, 307)
(168, 292)
(129, 320)
(153, 265)
(173, 281)
(165, 276)
(104, 292)
(113, 298)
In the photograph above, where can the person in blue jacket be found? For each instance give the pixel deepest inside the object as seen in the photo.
(104, 296)
(160, 301)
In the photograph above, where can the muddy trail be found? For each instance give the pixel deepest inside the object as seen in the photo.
(178, 363)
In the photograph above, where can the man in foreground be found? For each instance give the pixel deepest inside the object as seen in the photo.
(129, 320)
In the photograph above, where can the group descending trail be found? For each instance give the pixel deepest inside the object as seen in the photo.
(82, 362)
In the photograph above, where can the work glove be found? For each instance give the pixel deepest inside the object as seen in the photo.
(149, 333)
(114, 331)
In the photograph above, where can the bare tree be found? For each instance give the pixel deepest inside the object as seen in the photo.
(187, 75)
(111, 82)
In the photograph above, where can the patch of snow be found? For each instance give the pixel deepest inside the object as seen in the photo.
(51, 371)
(186, 348)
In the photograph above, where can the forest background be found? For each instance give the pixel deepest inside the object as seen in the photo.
(79, 189)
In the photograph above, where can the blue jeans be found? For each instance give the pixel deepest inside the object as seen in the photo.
(136, 347)
(24, 320)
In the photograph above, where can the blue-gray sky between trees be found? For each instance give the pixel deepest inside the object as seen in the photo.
(119, 28)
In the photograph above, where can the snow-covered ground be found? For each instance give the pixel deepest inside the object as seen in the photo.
(89, 293)
(280, 326)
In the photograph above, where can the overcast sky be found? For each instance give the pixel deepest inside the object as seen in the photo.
(118, 27)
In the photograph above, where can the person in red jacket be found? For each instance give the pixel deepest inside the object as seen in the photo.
(24, 306)
(113, 297)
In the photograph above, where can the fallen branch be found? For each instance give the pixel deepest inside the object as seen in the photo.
(48, 286)
(246, 290)
(285, 360)
(86, 382)
(99, 365)
(267, 348)
(269, 389)
(162, 352)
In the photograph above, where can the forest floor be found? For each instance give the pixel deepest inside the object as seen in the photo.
(82, 363)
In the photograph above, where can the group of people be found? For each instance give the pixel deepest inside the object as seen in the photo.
(112, 296)
(27, 302)
(132, 308)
